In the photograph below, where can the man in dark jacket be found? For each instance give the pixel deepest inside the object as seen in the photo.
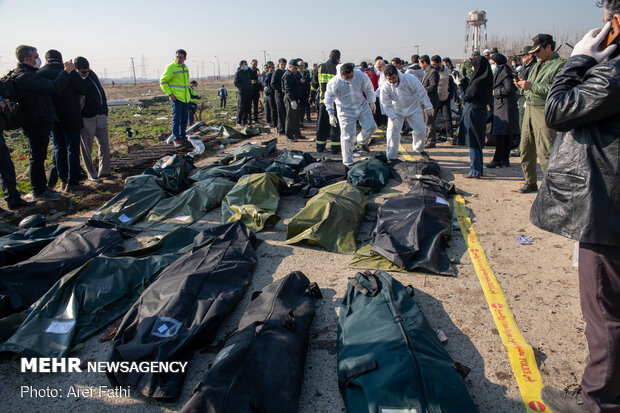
(7, 169)
(276, 85)
(33, 95)
(66, 132)
(430, 81)
(304, 83)
(257, 87)
(324, 129)
(579, 198)
(271, 111)
(95, 118)
(291, 88)
(245, 91)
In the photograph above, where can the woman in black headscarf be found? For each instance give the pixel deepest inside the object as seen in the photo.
(477, 97)
(505, 110)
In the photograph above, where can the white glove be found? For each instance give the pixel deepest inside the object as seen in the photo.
(457, 78)
(373, 106)
(590, 43)
(332, 120)
(294, 104)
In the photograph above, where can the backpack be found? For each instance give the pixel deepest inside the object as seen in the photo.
(14, 116)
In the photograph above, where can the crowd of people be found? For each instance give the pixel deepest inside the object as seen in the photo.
(65, 101)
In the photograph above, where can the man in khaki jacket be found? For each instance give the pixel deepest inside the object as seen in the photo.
(536, 138)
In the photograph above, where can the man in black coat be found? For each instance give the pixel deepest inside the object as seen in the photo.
(271, 111)
(7, 169)
(257, 87)
(291, 88)
(579, 198)
(33, 95)
(276, 85)
(245, 91)
(66, 132)
(430, 81)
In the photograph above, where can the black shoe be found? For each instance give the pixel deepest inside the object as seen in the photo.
(505, 164)
(494, 165)
(365, 147)
(321, 149)
(16, 203)
(300, 137)
(470, 176)
(291, 139)
(424, 154)
(5, 214)
(563, 401)
(430, 145)
(528, 188)
(336, 151)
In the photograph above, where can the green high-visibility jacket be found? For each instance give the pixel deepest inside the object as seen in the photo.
(175, 80)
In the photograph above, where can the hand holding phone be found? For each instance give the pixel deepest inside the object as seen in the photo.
(591, 43)
(614, 32)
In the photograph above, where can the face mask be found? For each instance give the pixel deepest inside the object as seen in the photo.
(246, 67)
(494, 68)
(347, 81)
(37, 63)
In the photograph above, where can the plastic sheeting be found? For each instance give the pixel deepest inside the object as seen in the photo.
(414, 231)
(25, 243)
(260, 367)
(183, 308)
(141, 193)
(254, 201)
(330, 219)
(187, 207)
(24, 283)
(92, 296)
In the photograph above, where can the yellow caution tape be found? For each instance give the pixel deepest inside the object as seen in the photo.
(521, 354)
(405, 154)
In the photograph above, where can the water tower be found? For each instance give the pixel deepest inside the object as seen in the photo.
(474, 30)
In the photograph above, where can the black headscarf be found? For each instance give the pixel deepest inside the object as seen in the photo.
(481, 82)
(498, 58)
(503, 71)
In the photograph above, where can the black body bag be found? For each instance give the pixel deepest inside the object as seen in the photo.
(182, 309)
(260, 368)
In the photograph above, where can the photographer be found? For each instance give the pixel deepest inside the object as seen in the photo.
(580, 199)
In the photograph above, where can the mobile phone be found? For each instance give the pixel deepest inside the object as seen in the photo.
(614, 33)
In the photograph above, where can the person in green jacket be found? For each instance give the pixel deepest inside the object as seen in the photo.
(175, 83)
(536, 138)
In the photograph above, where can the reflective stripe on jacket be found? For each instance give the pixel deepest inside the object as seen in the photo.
(175, 80)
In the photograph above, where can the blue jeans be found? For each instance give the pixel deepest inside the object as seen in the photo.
(67, 154)
(180, 117)
(475, 166)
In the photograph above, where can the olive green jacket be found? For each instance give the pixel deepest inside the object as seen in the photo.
(541, 77)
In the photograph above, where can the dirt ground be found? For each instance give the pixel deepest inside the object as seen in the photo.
(539, 282)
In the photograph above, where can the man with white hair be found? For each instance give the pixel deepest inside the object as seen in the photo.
(402, 97)
(354, 96)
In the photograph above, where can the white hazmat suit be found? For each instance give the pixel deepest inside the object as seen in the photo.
(404, 101)
(352, 107)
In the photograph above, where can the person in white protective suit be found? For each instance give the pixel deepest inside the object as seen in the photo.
(402, 98)
(354, 96)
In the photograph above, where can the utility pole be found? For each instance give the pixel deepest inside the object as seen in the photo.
(133, 69)
(218, 67)
(264, 57)
(417, 49)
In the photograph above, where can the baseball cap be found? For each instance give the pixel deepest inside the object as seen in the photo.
(526, 50)
(539, 40)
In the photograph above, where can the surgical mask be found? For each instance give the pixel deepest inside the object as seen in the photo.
(347, 81)
(246, 67)
(494, 68)
(37, 63)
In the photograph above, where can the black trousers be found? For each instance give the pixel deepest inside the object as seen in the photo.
(222, 102)
(254, 106)
(38, 140)
(599, 290)
(7, 169)
(281, 110)
(502, 149)
(325, 130)
(243, 108)
(446, 112)
(304, 106)
(292, 119)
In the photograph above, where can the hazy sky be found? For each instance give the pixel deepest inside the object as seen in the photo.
(109, 32)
